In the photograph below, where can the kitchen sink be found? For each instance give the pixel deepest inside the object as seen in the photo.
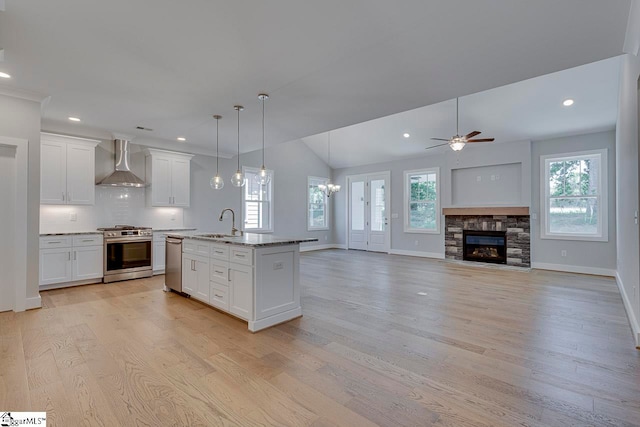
(216, 236)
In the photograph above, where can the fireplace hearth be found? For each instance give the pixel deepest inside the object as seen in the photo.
(484, 246)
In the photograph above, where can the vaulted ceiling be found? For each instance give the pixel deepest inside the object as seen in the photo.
(170, 66)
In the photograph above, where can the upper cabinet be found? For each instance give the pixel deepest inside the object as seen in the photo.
(67, 170)
(169, 178)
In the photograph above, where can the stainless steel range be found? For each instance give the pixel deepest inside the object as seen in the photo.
(128, 252)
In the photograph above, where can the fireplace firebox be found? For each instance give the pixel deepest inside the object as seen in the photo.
(484, 246)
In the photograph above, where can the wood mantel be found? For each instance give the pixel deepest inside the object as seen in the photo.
(496, 210)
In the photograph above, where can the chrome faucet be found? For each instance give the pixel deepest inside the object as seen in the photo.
(234, 230)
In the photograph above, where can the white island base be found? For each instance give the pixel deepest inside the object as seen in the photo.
(259, 282)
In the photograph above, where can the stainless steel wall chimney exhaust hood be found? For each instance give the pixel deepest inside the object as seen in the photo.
(122, 176)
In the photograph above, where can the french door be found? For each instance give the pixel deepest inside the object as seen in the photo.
(368, 213)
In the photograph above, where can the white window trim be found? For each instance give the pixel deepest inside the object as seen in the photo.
(326, 205)
(246, 169)
(603, 221)
(407, 195)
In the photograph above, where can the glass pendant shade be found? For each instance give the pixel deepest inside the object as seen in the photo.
(237, 180)
(263, 177)
(217, 183)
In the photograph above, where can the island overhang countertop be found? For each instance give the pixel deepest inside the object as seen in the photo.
(248, 239)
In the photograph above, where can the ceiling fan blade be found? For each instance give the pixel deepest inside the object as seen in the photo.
(472, 134)
(481, 140)
(440, 139)
(434, 146)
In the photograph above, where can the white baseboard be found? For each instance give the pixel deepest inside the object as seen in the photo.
(320, 247)
(420, 254)
(635, 327)
(35, 302)
(574, 269)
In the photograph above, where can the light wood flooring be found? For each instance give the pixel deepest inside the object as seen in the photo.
(483, 347)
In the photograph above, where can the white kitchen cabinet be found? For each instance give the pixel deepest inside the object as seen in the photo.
(195, 276)
(241, 290)
(169, 177)
(67, 170)
(159, 252)
(71, 260)
(55, 266)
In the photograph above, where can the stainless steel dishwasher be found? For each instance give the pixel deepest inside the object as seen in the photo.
(173, 266)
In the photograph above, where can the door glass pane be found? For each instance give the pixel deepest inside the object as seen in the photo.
(377, 205)
(357, 206)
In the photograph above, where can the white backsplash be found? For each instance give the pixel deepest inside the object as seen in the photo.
(114, 205)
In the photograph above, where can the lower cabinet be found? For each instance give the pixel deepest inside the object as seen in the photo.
(241, 290)
(68, 259)
(195, 276)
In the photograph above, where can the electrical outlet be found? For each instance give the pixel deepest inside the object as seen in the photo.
(326, 237)
(478, 178)
(415, 243)
(563, 252)
(73, 216)
(493, 177)
(278, 265)
(534, 216)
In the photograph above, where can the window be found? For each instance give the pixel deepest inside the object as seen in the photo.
(574, 196)
(422, 201)
(257, 207)
(317, 212)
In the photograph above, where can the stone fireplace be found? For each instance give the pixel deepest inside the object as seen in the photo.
(497, 235)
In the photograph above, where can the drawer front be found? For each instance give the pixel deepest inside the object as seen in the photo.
(220, 272)
(241, 255)
(192, 246)
(87, 240)
(52, 242)
(220, 252)
(219, 296)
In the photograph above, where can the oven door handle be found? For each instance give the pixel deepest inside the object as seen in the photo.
(128, 239)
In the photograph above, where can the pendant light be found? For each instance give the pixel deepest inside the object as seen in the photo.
(237, 180)
(217, 182)
(330, 188)
(263, 177)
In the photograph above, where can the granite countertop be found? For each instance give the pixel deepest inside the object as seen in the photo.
(249, 239)
(71, 233)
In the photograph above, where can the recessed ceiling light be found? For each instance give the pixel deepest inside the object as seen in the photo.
(181, 138)
(567, 102)
(74, 119)
(406, 135)
(5, 75)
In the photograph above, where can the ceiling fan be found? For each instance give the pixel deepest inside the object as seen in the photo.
(458, 142)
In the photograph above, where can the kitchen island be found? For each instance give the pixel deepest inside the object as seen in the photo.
(255, 277)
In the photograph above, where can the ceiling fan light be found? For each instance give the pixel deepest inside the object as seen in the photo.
(457, 145)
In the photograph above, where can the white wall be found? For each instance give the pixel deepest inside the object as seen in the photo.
(20, 118)
(585, 257)
(627, 184)
(482, 160)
